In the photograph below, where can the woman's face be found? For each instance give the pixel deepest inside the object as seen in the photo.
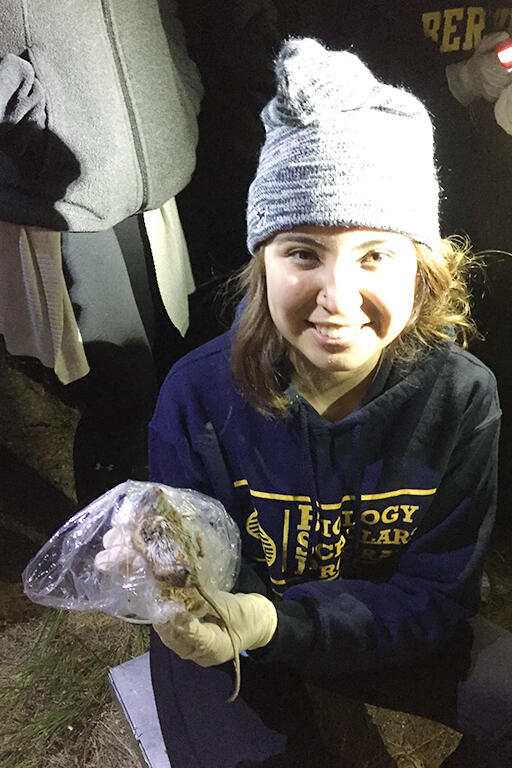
(340, 296)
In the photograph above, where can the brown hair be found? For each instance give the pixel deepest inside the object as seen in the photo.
(441, 312)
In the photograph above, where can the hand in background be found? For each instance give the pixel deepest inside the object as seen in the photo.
(503, 109)
(482, 75)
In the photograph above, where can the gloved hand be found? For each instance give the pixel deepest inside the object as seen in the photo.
(503, 109)
(252, 619)
(482, 75)
(119, 552)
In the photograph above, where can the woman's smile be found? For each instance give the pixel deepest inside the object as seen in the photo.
(335, 335)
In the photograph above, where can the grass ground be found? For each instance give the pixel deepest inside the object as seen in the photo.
(55, 707)
(54, 698)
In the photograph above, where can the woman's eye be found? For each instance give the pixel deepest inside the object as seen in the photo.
(302, 256)
(375, 257)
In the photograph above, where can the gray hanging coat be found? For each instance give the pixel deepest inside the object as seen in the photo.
(98, 105)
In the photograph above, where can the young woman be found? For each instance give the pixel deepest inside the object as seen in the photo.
(343, 428)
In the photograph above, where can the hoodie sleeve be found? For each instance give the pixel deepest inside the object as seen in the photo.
(173, 462)
(21, 95)
(359, 623)
(184, 450)
(186, 68)
(22, 105)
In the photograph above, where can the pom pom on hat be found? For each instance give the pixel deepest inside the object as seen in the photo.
(342, 149)
(308, 80)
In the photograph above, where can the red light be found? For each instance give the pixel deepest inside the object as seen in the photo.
(504, 52)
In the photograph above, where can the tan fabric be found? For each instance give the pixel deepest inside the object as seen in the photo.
(36, 315)
(172, 262)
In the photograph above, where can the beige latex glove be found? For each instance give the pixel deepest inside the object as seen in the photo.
(252, 619)
(118, 553)
(503, 109)
(482, 75)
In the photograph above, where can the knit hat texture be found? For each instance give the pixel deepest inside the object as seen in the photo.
(342, 149)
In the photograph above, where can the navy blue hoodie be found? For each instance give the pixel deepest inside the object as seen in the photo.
(372, 529)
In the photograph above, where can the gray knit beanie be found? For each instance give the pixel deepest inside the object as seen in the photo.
(342, 149)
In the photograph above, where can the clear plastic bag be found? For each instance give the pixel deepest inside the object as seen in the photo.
(136, 553)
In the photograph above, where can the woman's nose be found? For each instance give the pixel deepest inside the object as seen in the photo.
(341, 290)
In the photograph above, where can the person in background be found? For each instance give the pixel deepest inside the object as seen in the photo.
(97, 140)
(350, 436)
